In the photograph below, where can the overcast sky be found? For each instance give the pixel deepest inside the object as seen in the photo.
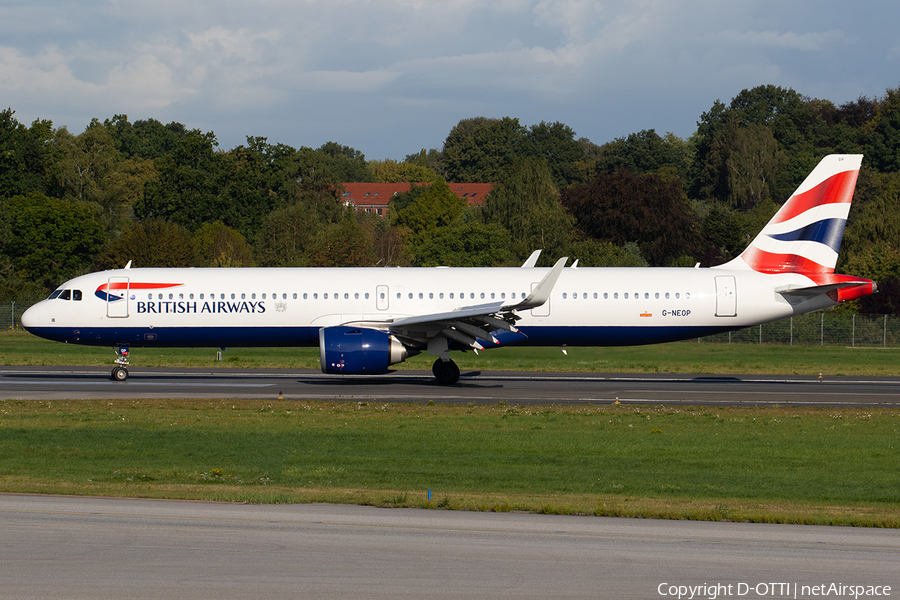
(389, 77)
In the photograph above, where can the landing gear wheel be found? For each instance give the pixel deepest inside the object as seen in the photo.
(119, 374)
(446, 372)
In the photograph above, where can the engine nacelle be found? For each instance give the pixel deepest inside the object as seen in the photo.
(359, 350)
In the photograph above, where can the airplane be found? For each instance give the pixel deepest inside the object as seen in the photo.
(366, 319)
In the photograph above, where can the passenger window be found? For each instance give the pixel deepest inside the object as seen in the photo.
(625, 295)
(687, 296)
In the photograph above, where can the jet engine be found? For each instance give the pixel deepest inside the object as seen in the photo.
(358, 350)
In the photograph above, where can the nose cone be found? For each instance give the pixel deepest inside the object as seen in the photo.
(31, 317)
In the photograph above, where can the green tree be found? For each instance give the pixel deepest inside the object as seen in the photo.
(477, 150)
(50, 240)
(255, 180)
(599, 253)
(219, 245)
(343, 244)
(753, 165)
(556, 143)
(466, 242)
(644, 152)
(391, 171)
(437, 206)
(26, 156)
(882, 134)
(151, 243)
(147, 139)
(432, 159)
(188, 185)
(525, 202)
(651, 210)
(347, 164)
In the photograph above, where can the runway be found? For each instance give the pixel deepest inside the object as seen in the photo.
(99, 548)
(48, 383)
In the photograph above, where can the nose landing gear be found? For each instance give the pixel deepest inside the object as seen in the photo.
(120, 371)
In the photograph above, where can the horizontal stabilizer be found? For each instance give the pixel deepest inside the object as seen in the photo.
(838, 292)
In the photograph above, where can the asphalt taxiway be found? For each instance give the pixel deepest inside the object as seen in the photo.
(99, 548)
(474, 387)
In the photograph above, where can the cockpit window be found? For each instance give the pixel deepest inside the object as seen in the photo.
(76, 295)
(66, 295)
(54, 295)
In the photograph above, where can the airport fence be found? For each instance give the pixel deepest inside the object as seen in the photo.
(821, 328)
(11, 315)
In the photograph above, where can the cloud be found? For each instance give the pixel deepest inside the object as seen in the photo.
(806, 42)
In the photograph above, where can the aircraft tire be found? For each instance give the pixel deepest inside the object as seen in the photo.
(119, 374)
(446, 373)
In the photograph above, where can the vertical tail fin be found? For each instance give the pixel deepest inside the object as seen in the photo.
(805, 235)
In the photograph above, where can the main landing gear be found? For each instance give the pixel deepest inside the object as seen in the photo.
(445, 371)
(120, 371)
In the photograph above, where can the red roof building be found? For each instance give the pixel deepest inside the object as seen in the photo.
(374, 197)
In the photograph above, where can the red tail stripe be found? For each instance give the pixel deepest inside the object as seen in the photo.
(837, 189)
(766, 262)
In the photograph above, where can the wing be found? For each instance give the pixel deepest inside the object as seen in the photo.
(472, 325)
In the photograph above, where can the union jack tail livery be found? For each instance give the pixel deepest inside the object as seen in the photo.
(805, 235)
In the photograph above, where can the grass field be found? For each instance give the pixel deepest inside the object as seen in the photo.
(798, 465)
(795, 465)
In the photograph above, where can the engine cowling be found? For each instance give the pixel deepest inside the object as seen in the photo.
(358, 350)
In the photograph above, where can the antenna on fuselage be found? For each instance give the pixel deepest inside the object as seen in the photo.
(128, 266)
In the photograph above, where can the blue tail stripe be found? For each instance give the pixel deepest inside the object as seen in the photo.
(828, 232)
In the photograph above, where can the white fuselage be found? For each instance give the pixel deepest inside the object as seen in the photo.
(288, 306)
